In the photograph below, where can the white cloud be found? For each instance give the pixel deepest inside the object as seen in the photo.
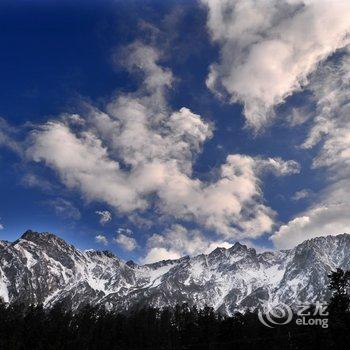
(1, 226)
(278, 166)
(331, 125)
(329, 215)
(302, 194)
(158, 254)
(177, 242)
(105, 216)
(139, 154)
(298, 116)
(231, 205)
(269, 48)
(318, 221)
(83, 163)
(126, 242)
(101, 239)
(125, 231)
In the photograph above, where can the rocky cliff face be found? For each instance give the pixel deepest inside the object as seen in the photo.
(42, 268)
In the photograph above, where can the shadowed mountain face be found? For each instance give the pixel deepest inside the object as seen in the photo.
(42, 268)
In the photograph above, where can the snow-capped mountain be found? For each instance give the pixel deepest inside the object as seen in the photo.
(42, 268)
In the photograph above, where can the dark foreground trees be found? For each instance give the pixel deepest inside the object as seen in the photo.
(182, 327)
(339, 285)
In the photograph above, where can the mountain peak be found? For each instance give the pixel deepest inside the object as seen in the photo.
(238, 247)
(167, 262)
(101, 253)
(29, 235)
(218, 250)
(323, 239)
(43, 238)
(131, 263)
(43, 268)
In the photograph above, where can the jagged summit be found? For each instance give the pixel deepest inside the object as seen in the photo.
(43, 268)
(238, 247)
(168, 262)
(29, 233)
(43, 237)
(328, 238)
(132, 264)
(101, 253)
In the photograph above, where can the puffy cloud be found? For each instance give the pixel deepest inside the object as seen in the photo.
(83, 163)
(331, 124)
(317, 221)
(331, 131)
(278, 166)
(139, 154)
(302, 194)
(231, 205)
(101, 239)
(105, 216)
(269, 48)
(159, 254)
(177, 242)
(125, 241)
(138, 57)
(298, 116)
(125, 231)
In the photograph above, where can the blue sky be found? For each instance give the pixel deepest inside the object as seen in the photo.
(252, 99)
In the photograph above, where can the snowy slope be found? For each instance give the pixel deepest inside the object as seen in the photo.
(42, 268)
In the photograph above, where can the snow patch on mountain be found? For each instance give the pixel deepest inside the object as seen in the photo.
(43, 268)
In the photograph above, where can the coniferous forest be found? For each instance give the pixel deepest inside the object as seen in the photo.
(182, 327)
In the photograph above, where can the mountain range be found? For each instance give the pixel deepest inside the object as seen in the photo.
(41, 268)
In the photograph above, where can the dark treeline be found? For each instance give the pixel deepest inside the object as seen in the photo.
(182, 327)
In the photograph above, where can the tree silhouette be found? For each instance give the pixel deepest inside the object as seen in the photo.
(175, 328)
(339, 285)
(339, 308)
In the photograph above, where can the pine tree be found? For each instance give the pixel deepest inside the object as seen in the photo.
(339, 285)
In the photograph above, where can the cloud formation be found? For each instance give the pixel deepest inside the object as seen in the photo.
(177, 242)
(302, 194)
(272, 49)
(105, 216)
(139, 155)
(125, 240)
(101, 239)
(318, 221)
(330, 131)
(269, 48)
